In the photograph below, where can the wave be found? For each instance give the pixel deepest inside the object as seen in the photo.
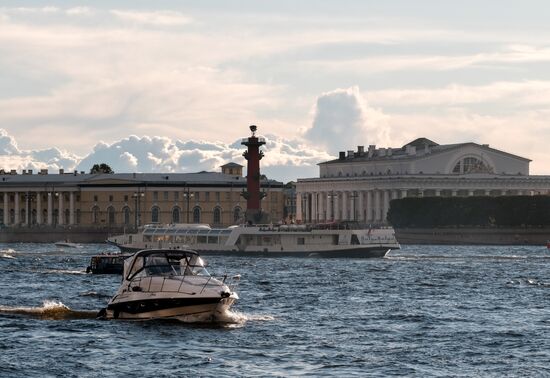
(50, 310)
(7, 256)
(63, 271)
(94, 294)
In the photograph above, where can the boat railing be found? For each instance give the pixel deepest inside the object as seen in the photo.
(173, 283)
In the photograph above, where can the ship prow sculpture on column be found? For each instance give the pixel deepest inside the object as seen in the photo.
(253, 194)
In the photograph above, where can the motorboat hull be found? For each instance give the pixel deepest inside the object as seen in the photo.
(183, 309)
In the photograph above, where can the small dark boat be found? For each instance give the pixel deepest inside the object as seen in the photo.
(107, 263)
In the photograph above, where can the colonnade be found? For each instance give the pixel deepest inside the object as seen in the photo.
(25, 208)
(368, 205)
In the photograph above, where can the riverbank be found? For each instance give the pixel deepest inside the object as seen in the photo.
(474, 236)
(49, 234)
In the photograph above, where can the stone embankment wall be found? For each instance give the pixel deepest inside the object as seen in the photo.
(474, 236)
(54, 234)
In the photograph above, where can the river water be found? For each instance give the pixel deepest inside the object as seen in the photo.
(422, 311)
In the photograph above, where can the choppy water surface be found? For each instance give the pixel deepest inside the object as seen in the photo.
(423, 311)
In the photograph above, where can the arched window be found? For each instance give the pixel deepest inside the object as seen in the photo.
(45, 216)
(196, 214)
(217, 218)
(237, 215)
(155, 214)
(33, 216)
(23, 218)
(126, 212)
(12, 216)
(56, 216)
(67, 216)
(110, 215)
(176, 215)
(95, 215)
(471, 165)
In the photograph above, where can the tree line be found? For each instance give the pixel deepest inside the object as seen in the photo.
(430, 212)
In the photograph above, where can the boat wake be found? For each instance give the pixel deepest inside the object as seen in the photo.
(63, 271)
(50, 310)
(239, 319)
(7, 253)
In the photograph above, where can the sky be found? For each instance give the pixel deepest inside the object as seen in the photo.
(172, 86)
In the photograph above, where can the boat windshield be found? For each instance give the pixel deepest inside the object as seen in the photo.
(167, 263)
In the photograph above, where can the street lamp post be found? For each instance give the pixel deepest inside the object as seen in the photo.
(188, 195)
(137, 198)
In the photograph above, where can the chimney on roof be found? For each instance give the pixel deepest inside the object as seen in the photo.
(29, 171)
(23, 171)
(350, 153)
(342, 155)
(43, 172)
(13, 172)
(360, 150)
(371, 150)
(390, 151)
(61, 171)
(382, 152)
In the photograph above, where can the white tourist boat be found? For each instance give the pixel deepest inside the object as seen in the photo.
(169, 284)
(324, 240)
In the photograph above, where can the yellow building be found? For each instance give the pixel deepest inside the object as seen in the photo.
(127, 200)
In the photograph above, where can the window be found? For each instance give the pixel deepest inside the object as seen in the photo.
(126, 198)
(471, 165)
(217, 219)
(67, 216)
(176, 215)
(166, 196)
(207, 196)
(95, 198)
(111, 198)
(217, 196)
(78, 216)
(196, 215)
(155, 196)
(155, 214)
(78, 198)
(176, 196)
(111, 215)
(197, 197)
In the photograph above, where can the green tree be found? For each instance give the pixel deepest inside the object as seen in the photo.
(101, 168)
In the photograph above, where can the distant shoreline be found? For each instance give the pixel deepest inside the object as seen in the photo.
(474, 236)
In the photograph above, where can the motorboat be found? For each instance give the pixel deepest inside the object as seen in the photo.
(107, 263)
(344, 239)
(170, 284)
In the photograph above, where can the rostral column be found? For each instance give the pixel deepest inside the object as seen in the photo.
(253, 195)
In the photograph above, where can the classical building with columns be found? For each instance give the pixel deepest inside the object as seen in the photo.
(127, 200)
(360, 184)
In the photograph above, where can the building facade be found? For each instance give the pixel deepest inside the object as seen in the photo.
(129, 200)
(359, 185)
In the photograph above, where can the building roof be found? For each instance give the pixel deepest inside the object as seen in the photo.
(130, 179)
(423, 147)
(232, 165)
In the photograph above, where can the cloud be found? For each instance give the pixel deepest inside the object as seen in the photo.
(342, 119)
(159, 18)
(11, 157)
